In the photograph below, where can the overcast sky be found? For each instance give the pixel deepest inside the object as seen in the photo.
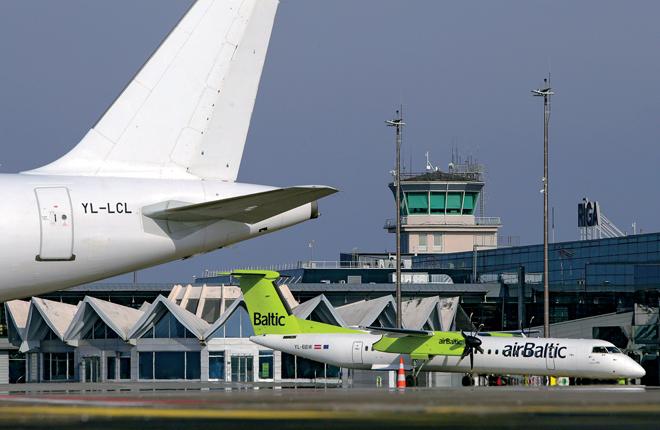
(336, 69)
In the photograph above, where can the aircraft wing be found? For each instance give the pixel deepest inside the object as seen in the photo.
(399, 332)
(251, 208)
(521, 333)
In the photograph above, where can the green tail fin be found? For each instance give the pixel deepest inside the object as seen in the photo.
(269, 312)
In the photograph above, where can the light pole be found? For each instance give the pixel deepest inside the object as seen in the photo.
(398, 124)
(545, 92)
(310, 245)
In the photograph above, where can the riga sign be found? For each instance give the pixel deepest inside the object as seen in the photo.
(588, 214)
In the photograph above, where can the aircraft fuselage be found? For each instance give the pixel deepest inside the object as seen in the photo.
(60, 231)
(502, 355)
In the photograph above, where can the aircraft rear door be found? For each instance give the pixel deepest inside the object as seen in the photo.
(550, 363)
(357, 352)
(56, 219)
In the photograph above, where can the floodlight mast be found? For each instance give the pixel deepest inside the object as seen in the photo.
(545, 92)
(398, 124)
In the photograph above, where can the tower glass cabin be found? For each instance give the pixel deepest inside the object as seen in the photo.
(441, 212)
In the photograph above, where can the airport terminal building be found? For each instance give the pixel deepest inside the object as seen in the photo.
(604, 288)
(198, 333)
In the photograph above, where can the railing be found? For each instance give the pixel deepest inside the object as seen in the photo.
(376, 263)
(390, 223)
(117, 286)
(487, 220)
(276, 267)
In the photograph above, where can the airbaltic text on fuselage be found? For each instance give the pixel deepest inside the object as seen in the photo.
(531, 349)
(109, 208)
(271, 318)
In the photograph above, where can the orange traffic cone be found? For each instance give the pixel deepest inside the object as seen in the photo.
(401, 377)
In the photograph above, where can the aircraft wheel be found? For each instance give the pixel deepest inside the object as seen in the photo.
(467, 381)
(410, 381)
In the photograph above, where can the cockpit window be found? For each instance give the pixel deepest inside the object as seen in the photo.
(613, 350)
(599, 350)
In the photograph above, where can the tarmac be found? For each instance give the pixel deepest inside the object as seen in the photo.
(177, 405)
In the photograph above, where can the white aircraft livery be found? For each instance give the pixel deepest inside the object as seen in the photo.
(378, 348)
(155, 179)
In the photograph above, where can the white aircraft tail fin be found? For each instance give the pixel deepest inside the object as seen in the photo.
(186, 113)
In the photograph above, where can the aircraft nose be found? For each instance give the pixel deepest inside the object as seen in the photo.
(633, 369)
(636, 370)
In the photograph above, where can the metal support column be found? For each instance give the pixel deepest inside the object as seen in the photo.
(545, 92)
(398, 124)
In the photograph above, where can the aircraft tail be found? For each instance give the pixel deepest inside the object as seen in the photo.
(187, 112)
(269, 312)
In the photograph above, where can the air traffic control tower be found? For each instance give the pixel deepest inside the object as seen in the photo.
(442, 212)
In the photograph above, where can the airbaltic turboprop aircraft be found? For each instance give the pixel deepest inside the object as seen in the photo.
(154, 180)
(380, 348)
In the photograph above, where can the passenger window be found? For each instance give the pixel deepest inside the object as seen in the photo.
(489, 352)
(497, 351)
(599, 350)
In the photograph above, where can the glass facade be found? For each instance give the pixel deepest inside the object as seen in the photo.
(125, 365)
(242, 368)
(586, 278)
(628, 263)
(3, 324)
(237, 325)
(99, 330)
(265, 364)
(167, 327)
(111, 368)
(17, 368)
(294, 367)
(58, 366)
(169, 365)
(121, 363)
(439, 202)
(217, 365)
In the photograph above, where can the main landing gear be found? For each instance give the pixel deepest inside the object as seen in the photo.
(468, 380)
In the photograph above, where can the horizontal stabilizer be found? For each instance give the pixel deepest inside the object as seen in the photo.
(250, 209)
(401, 332)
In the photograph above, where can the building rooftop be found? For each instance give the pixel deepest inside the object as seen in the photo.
(440, 176)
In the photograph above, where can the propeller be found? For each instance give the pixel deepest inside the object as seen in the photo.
(472, 343)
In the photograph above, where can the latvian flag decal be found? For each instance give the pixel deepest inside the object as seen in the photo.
(319, 346)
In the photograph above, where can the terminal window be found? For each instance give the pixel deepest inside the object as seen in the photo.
(437, 241)
(100, 330)
(417, 203)
(454, 203)
(169, 365)
(265, 364)
(294, 367)
(111, 368)
(237, 325)
(125, 365)
(423, 242)
(58, 366)
(217, 365)
(469, 203)
(438, 203)
(167, 327)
